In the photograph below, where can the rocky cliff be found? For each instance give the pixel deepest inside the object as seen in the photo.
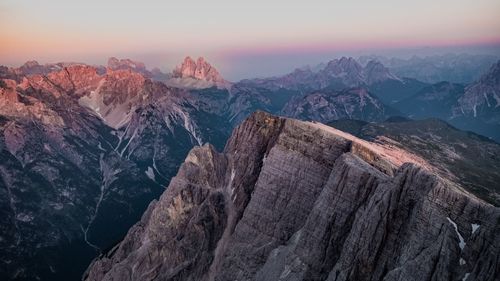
(293, 200)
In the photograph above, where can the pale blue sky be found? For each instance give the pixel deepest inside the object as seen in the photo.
(91, 30)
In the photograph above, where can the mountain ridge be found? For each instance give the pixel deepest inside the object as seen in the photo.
(262, 209)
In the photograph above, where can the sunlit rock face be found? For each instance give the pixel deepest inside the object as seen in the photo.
(197, 74)
(199, 69)
(463, 156)
(293, 200)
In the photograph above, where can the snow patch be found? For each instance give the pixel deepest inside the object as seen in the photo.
(486, 98)
(47, 147)
(187, 123)
(466, 276)
(474, 227)
(230, 187)
(128, 143)
(150, 173)
(461, 244)
(286, 272)
(57, 206)
(109, 175)
(99, 145)
(462, 261)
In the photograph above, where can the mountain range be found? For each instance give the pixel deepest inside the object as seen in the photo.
(474, 107)
(85, 149)
(455, 68)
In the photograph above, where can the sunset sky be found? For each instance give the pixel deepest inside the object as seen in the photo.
(162, 32)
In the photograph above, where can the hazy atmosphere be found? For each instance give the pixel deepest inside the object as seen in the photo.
(245, 39)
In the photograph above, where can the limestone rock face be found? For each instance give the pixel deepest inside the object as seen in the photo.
(197, 74)
(293, 200)
(200, 69)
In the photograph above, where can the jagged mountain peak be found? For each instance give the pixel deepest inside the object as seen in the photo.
(197, 74)
(30, 63)
(375, 71)
(199, 69)
(344, 64)
(375, 65)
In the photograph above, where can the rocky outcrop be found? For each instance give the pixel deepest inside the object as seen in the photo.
(197, 74)
(200, 69)
(292, 200)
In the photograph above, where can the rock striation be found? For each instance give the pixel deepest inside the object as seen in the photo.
(294, 200)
